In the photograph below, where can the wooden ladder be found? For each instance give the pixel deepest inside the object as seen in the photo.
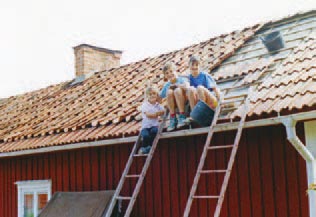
(207, 148)
(140, 176)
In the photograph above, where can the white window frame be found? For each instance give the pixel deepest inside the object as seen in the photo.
(34, 187)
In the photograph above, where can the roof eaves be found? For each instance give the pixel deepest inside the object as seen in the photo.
(303, 116)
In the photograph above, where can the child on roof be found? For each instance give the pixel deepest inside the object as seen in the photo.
(175, 92)
(202, 86)
(151, 110)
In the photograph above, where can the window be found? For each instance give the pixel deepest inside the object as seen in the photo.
(32, 197)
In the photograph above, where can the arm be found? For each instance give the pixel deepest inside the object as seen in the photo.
(161, 111)
(217, 92)
(211, 85)
(163, 92)
(154, 115)
(151, 115)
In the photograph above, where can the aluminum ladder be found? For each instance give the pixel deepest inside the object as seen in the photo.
(140, 176)
(207, 148)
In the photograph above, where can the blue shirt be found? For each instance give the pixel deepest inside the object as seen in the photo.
(202, 79)
(163, 93)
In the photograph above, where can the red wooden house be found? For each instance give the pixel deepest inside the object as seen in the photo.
(77, 135)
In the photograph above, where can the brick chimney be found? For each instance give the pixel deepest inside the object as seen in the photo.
(92, 59)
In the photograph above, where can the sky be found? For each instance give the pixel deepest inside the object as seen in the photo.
(37, 36)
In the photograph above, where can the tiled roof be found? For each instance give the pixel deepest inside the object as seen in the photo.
(106, 98)
(106, 104)
(282, 82)
(292, 85)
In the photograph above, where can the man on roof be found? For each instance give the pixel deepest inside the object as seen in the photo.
(202, 86)
(175, 92)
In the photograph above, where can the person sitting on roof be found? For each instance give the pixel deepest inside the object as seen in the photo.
(202, 86)
(175, 92)
(151, 110)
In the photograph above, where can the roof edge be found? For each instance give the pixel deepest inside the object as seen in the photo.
(285, 19)
(303, 116)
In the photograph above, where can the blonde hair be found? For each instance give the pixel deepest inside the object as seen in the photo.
(167, 66)
(150, 90)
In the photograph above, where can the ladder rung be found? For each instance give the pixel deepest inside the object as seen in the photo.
(224, 103)
(236, 96)
(206, 197)
(126, 173)
(214, 171)
(220, 147)
(140, 155)
(227, 102)
(123, 198)
(228, 109)
(132, 176)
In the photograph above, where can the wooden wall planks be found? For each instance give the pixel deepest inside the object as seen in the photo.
(268, 178)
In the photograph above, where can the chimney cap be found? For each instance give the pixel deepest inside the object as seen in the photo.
(98, 48)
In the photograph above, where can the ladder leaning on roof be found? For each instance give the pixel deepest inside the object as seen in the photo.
(140, 176)
(207, 148)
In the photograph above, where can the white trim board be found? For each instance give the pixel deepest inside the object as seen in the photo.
(303, 116)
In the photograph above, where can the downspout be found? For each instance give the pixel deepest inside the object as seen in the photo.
(290, 124)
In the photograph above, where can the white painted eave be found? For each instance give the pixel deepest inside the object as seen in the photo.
(303, 116)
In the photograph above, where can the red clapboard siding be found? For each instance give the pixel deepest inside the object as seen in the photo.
(267, 172)
(268, 178)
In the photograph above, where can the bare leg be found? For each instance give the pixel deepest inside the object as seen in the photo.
(206, 96)
(211, 100)
(201, 93)
(192, 96)
(171, 101)
(180, 99)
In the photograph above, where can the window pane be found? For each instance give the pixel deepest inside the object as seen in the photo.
(42, 200)
(28, 205)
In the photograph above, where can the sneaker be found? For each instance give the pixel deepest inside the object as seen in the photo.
(142, 150)
(147, 149)
(181, 121)
(188, 120)
(172, 124)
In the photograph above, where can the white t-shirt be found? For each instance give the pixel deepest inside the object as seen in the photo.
(150, 108)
